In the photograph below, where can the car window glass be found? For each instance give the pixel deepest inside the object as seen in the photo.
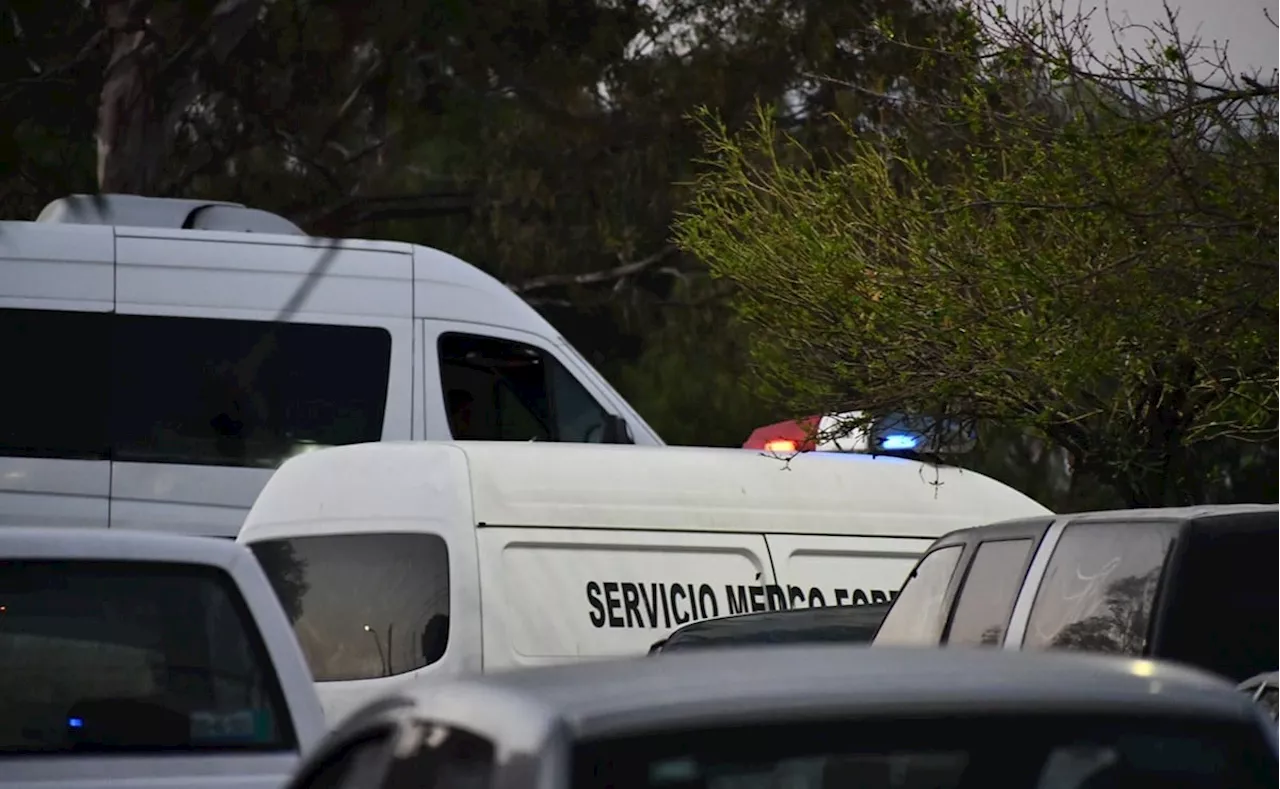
(362, 605)
(990, 587)
(243, 393)
(441, 757)
(62, 360)
(1099, 588)
(352, 765)
(498, 390)
(132, 656)
(916, 614)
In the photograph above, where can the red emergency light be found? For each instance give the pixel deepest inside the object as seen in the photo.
(795, 435)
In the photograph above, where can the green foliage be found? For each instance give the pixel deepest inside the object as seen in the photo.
(1092, 263)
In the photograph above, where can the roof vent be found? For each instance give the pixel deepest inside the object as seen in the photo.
(172, 213)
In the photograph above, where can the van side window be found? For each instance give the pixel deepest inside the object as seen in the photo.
(56, 368)
(1099, 588)
(243, 393)
(498, 390)
(916, 614)
(990, 586)
(362, 605)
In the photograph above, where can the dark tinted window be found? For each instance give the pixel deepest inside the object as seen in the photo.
(1099, 588)
(936, 753)
(1221, 607)
(990, 587)
(243, 393)
(497, 390)
(55, 369)
(363, 605)
(916, 614)
(354, 764)
(101, 656)
(441, 757)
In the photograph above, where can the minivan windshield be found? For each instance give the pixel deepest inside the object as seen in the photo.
(1052, 752)
(107, 656)
(916, 614)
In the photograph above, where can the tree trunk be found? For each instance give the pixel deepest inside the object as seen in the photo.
(131, 147)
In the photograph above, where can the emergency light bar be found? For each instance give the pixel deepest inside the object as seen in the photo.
(894, 433)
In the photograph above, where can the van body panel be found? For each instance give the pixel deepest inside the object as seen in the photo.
(57, 268)
(833, 571)
(50, 492)
(557, 595)
(731, 490)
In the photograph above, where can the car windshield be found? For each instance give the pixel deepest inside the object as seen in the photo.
(1051, 752)
(131, 656)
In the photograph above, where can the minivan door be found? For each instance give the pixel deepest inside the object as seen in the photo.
(233, 353)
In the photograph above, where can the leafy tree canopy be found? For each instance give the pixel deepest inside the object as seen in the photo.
(1078, 244)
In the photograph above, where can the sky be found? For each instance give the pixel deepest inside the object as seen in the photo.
(1252, 40)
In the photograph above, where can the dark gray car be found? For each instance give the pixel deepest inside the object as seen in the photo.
(810, 717)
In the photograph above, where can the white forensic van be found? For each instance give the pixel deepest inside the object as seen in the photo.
(407, 559)
(161, 357)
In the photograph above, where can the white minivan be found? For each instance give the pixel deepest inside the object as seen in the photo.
(406, 559)
(160, 358)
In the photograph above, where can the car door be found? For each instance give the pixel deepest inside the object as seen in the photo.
(233, 353)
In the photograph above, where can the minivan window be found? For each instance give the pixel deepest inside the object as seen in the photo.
(499, 390)
(916, 614)
(1099, 588)
(990, 586)
(243, 393)
(104, 656)
(362, 605)
(56, 369)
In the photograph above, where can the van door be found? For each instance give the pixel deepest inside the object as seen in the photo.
(56, 296)
(557, 595)
(817, 571)
(233, 353)
(487, 383)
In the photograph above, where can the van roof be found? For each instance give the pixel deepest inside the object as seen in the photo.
(627, 487)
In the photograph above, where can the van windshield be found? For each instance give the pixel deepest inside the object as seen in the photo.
(362, 605)
(105, 656)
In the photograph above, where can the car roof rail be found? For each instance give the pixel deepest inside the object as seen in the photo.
(166, 212)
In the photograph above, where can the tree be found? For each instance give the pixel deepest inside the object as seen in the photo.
(1083, 246)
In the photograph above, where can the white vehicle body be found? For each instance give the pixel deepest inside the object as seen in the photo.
(434, 559)
(155, 376)
(63, 649)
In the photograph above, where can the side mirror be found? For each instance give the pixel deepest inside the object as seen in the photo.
(616, 431)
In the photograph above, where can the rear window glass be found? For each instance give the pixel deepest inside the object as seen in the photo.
(363, 605)
(916, 614)
(990, 587)
(132, 656)
(1051, 753)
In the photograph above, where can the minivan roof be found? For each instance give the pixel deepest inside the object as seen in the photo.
(618, 486)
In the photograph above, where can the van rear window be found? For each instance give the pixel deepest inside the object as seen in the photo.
(362, 605)
(103, 656)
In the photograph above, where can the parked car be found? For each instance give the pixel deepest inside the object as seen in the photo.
(1195, 584)
(850, 624)
(1262, 689)
(137, 659)
(809, 716)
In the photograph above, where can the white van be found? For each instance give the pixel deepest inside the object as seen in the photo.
(155, 373)
(407, 559)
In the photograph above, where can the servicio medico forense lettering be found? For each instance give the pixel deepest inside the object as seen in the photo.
(630, 604)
